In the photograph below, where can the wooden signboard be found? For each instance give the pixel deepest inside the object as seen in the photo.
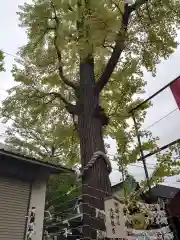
(114, 222)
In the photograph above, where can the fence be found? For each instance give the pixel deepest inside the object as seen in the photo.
(68, 224)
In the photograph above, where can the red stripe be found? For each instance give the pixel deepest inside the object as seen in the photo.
(175, 89)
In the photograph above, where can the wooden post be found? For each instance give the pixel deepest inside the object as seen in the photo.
(140, 149)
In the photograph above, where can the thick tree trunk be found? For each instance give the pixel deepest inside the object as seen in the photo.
(96, 183)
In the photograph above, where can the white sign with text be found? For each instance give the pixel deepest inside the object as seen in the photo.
(115, 222)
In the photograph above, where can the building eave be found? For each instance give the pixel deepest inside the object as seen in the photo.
(52, 168)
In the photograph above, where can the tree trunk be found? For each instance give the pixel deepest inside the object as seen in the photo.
(96, 183)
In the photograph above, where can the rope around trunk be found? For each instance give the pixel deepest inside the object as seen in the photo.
(97, 155)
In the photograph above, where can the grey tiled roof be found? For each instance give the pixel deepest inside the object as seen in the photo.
(164, 191)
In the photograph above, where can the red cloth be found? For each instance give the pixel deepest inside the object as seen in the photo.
(175, 89)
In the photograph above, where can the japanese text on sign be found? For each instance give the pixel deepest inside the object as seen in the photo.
(115, 223)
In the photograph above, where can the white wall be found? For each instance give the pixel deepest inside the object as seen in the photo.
(37, 200)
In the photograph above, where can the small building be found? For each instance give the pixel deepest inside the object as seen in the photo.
(23, 188)
(118, 189)
(165, 193)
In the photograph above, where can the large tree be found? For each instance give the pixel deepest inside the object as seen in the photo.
(86, 55)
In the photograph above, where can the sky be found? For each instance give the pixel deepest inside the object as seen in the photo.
(167, 129)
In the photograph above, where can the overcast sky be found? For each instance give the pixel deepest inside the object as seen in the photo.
(168, 129)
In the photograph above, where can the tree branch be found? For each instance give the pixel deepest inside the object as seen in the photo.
(62, 98)
(119, 44)
(108, 46)
(70, 8)
(137, 5)
(53, 149)
(61, 72)
(118, 48)
(42, 36)
(69, 106)
(117, 6)
(55, 94)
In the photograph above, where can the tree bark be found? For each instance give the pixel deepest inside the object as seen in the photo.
(96, 183)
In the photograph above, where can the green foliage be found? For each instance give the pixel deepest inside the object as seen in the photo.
(130, 185)
(1, 61)
(36, 133)
(60, 33)
(62, 193)
(167, 165)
